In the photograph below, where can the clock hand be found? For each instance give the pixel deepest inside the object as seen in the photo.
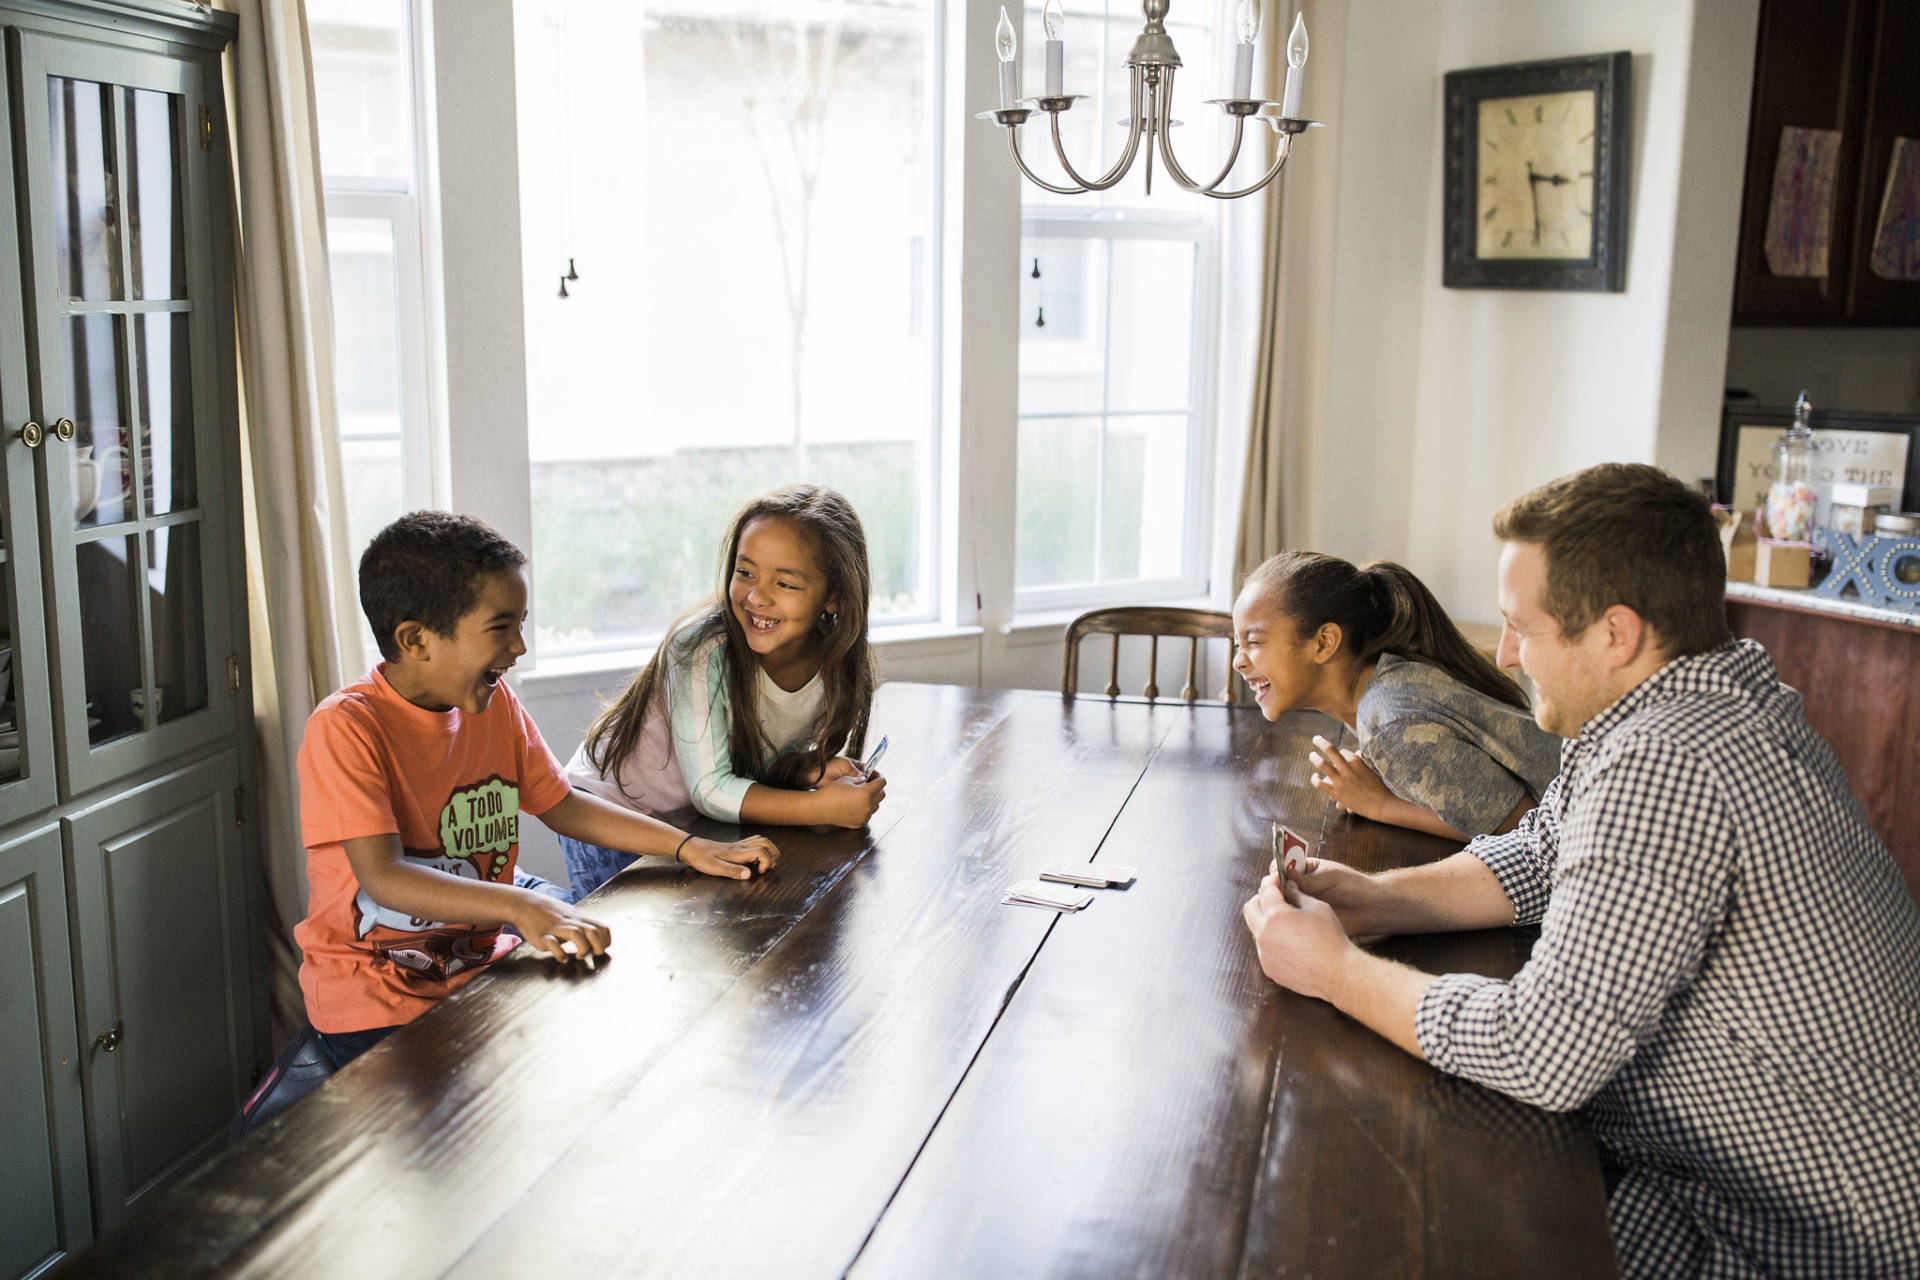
(1533, 189)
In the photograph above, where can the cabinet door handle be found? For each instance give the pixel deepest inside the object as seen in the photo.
(31, 435)
(64, 429)
(109, 1040)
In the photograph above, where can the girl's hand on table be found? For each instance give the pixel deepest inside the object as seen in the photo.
(849, 800)
(1347, 780)
(736, 861)
(836, 768)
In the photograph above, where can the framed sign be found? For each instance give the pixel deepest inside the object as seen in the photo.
(1536, 165)
(1861, 448)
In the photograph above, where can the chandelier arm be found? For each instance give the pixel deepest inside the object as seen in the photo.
(1279, 163)
(1125, 162)
(1013, 145)
(1163, 128)
(1180, 175)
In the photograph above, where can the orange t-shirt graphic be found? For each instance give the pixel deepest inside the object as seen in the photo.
(453, 787)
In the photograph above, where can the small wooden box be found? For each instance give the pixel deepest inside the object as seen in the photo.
(1782, 564)
(1737, 540)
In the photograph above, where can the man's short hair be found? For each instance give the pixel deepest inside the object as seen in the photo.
(427, 567)
(1629, 534)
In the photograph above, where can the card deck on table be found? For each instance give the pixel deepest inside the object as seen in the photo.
(1289, 847)
(1090, 875)
(1034, 893)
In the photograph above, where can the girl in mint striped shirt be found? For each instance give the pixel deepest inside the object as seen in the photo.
(755, 703)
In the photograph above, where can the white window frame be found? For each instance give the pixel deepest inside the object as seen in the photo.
(972, 494)
(405, 205)
(1202, 232)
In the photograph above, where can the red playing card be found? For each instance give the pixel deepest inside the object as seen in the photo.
(1293, 848)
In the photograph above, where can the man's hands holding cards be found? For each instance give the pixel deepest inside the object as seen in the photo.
(1298, 937)
(1357, 898)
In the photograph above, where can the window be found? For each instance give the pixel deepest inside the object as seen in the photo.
(1116, 324)
(370, 148)
(731, 239)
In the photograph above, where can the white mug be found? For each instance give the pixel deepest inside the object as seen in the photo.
(113, 473)
(138, 697)
(86, 482)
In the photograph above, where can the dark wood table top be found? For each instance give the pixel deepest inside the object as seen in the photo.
(864, 1063)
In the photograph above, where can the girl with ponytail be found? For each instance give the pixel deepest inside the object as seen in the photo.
(1447, 743)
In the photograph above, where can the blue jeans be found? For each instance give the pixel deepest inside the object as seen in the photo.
(589, 866)
(527, 880)
(343, 1047)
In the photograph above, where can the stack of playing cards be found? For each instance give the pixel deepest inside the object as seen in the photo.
(1035, 893)
(1089, 875)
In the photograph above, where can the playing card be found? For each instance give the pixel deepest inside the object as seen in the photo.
(1092, 875)
(1034, 893)
(1293, 849)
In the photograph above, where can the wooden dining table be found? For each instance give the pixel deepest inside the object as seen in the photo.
(864, 1063)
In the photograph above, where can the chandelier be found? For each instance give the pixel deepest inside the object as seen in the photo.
(1150, 67)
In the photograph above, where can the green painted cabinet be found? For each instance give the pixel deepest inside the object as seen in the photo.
(43, 1158)
(132, 998)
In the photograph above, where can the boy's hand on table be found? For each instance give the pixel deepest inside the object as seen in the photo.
(548, 925)
(736, 861)
(1347, 780)
(849, 801)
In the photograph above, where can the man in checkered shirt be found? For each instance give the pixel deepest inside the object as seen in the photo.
(1728, 967)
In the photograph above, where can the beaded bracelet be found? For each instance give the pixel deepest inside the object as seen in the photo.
(683, 844)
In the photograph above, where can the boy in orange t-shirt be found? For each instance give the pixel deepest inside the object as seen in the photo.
(412, 782)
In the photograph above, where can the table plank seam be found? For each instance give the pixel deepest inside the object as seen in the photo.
(1006, 1002)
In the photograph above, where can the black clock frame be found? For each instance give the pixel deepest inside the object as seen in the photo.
(1610, 76)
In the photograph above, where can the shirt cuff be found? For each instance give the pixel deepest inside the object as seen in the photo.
(1434, 1016)
(1518, 872)
(722, 800)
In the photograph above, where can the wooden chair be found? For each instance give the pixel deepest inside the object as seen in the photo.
(1194, 625)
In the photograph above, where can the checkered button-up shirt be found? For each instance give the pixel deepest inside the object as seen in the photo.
(1728, 973)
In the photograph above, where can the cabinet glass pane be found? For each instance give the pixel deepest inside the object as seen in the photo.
(85, 221)
(174, 591)
(109, 634)
(101, 468)
(155, 238)
(167, 477)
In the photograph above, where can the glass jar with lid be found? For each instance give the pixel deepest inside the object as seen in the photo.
(1791, 497)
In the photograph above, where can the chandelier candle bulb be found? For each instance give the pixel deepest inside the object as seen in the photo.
(1054, 20)
(1248, 21)
(1003, 44)
(1296, 61)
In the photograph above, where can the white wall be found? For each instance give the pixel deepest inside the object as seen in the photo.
(1444, 403)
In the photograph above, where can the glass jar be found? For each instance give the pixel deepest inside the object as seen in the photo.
(1790, 498)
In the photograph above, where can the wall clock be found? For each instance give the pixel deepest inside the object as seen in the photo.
(1536, 174)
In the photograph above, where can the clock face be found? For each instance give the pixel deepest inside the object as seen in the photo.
(1534, 185)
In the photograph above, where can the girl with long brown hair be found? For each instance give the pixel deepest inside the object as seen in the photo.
(1447, 743)
(751, 705)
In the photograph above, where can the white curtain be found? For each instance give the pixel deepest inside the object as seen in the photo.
(302, 607)
(1286, 415)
